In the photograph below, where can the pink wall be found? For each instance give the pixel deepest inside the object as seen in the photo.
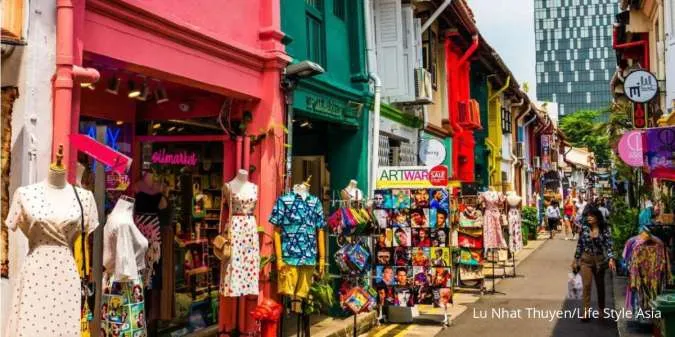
(222, 20)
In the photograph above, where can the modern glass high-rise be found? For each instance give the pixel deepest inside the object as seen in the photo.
(575, 59)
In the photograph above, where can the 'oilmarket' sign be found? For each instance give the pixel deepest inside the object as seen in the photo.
(412, 176)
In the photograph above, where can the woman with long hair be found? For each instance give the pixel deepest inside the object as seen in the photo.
(594, 254)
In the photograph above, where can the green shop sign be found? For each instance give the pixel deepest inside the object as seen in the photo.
(328, 108)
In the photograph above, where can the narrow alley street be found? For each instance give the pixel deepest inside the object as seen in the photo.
(541, 284)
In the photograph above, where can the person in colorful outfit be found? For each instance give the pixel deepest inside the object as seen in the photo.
(594, 254)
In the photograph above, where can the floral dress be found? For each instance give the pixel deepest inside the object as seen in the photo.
(515, 232)
(239, 276)
(493, 236)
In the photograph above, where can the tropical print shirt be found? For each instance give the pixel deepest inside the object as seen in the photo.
(602, 245)
(299, 221)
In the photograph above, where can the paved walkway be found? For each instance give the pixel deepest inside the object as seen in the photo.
(542, 285)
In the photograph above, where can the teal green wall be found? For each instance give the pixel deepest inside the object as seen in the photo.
(336, 95)
(479, 92)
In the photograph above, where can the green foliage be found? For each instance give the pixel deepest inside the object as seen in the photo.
(321, 297)
(582, 129)
(623, 223)
(530, 220)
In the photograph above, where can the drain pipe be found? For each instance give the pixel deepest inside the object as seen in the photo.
(372, 75)
(66, 75)
(435, 15)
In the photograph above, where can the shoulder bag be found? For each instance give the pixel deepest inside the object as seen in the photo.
(222, 243)
(88, 287)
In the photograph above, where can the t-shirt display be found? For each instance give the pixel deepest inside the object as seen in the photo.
(299, 219)
(412, 255)
(50, 218)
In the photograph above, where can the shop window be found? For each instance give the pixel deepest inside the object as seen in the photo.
(318, 4)
(429, 57)
(506, 121)
(12, 19)
(315, 36)
(339, 9)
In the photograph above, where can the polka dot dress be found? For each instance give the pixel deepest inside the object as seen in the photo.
(47, 290)
(239, 276)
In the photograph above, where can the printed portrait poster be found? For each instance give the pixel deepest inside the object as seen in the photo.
(440, 257)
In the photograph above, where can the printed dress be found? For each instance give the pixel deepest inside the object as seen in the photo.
(47, 290)
(239, 275)
(515, 231)
(494, 238)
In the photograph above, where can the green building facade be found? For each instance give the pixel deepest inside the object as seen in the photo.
(479, 92)
(331, 110)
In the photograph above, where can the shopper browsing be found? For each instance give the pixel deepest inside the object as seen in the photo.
(594, 254)
(553, 216)
(568, 210)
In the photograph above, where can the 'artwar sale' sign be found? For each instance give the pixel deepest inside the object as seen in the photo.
(412, 176)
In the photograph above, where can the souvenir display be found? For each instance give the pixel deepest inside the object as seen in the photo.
(471, 242)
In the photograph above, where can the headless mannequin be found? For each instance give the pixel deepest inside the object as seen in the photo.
(57, 183)
(121, 216)
(235, 305)
(303, 191)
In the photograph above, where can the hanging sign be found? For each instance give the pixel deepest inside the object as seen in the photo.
(640, 86)
(639, 116)
(412, 176)
(630, 148)
(432, 152)
(659, 147)
(117, 161)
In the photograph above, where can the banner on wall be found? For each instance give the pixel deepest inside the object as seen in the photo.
(412, 176)
(659, 145)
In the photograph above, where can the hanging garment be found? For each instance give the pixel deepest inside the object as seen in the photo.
(649, 272)
(239, 275)
(49, 282)
(515, 231)
(299, 221)
(494, 238)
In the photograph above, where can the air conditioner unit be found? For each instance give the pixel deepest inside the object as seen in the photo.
(520, 150)
(537, 162)
(423, 88)
(469, 114)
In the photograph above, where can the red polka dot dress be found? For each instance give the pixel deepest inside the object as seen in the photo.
(239, 276)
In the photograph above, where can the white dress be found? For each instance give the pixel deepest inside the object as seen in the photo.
(239, 276)
(47, 290)
(124, 247)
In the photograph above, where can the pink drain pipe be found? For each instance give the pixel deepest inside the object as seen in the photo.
(64, 121)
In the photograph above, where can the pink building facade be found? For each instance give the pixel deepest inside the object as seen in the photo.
(208, 60)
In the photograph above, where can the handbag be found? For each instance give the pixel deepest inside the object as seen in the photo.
(222, 243)
(88, 291)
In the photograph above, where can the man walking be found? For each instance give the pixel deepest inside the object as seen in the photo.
(553, 216)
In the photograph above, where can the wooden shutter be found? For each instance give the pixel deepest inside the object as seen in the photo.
(389, 39)
(409, 52)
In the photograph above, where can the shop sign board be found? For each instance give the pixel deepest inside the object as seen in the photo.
(432, 152)
(630, 148)
(117, 182)
(326, 106)
(640, 86)
(659, 147)
(183, 158)
(117, 161)
(412, 177)
(545, 148)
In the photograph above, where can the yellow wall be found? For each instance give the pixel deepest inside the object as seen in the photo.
(494, 140)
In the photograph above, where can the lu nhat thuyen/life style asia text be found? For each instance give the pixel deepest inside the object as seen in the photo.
(550, 315)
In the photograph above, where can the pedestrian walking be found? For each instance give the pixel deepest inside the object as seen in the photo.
(553, 216)
(603, 209)
(568, 212)
(593, 255)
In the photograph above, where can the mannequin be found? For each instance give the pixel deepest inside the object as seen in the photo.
(294, 215)
(351, 192)
(124, 248)
(239, 275)
(492, 229)
(51, 218)
(515, 222)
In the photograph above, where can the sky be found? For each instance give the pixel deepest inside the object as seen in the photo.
(508, 25)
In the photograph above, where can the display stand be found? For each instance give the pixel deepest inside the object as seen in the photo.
(413, 213)
(467, 201)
